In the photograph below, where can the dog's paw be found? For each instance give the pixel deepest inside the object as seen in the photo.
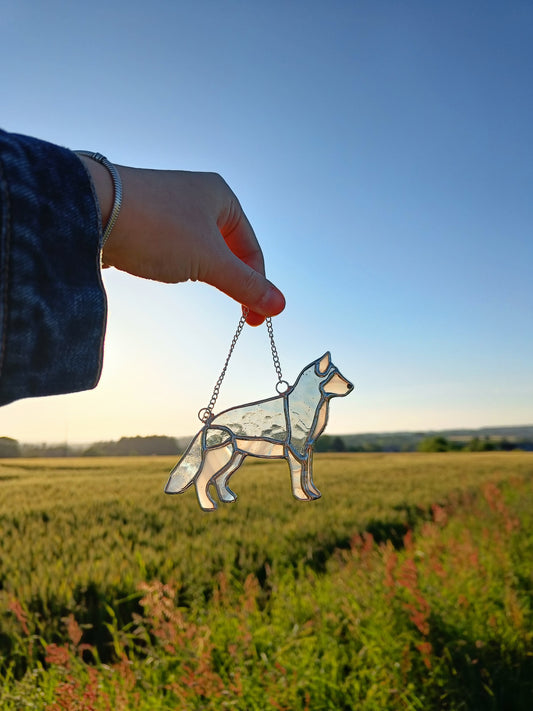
(301, 495)
(208, 507)
(227, 496)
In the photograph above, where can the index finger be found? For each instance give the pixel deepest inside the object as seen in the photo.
(243, 243)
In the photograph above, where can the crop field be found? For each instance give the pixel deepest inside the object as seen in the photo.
(409, 585)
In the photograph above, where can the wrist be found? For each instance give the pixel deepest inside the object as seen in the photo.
(103, 186)
(116, 180)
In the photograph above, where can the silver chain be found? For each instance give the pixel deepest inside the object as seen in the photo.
(274, 350)
(206, 414)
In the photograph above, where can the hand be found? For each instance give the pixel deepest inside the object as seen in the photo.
(178, 225)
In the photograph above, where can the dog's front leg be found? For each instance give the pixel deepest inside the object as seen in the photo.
(308, 483)
(296, 466)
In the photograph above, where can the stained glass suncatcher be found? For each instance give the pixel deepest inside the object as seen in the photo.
(282, 427)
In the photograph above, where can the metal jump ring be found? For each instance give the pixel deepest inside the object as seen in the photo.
(205, 415)
(285, 385)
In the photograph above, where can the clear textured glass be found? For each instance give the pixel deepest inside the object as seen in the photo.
(285, 427)
(259, 419)
(302, 409)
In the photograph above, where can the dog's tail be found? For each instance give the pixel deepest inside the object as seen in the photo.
(185, 471)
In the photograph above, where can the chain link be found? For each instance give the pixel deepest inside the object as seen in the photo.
(205, 415)
(274, 350)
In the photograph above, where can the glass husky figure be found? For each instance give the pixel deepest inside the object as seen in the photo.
(282, 427)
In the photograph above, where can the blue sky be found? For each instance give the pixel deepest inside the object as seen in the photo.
(383, 152)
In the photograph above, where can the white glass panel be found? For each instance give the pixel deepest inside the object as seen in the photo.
(260, 447)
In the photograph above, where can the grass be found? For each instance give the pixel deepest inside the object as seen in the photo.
(407, 586)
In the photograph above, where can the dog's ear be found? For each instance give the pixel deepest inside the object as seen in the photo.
(323, 363)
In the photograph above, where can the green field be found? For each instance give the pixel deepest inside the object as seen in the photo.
(409, 585)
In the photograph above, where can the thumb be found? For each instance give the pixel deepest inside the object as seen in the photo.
(247, 286)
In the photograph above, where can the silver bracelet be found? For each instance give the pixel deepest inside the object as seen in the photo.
(117, 188)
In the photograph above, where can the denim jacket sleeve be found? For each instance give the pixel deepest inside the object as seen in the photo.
(52, 301)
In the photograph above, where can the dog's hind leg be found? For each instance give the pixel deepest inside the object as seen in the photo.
(308, 482)
(225, 494)
(215, 460)
(297, 475)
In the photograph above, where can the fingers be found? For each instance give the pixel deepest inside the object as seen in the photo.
(178, 225)
(249, 287)
(242, 241)
(253, 318)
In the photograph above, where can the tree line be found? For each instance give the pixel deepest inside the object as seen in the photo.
(435, 443)
(124, 447)
(476, 444)
(153, 445)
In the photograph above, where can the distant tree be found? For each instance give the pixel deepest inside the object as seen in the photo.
(338, 445)
(50, 450)
(147, 446)
(434, 444)
(323, 444)
(95, 450)
(480, 445)
(9, 447)
(372, 446)
(134, 446)
(525, 445)
(327, 443)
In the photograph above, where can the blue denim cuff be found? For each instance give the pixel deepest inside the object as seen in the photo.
(52, 301)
